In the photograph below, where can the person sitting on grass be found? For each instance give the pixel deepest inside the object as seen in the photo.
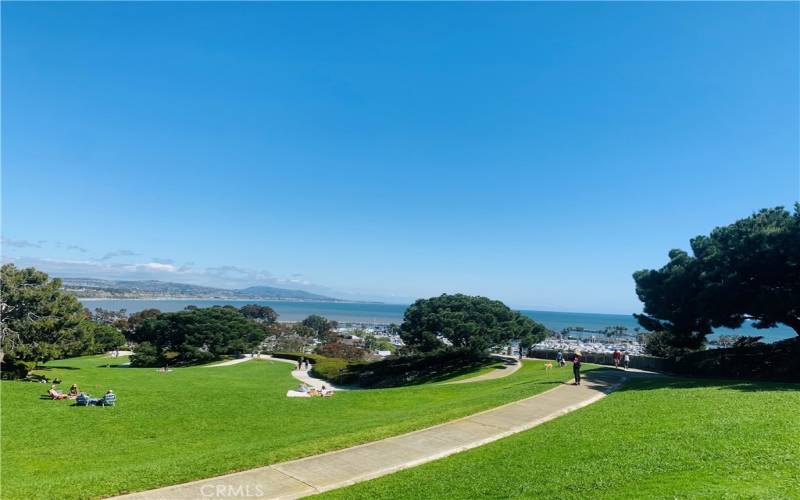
(325, 391)
(73, 392)
(56, 394)
(107, 399)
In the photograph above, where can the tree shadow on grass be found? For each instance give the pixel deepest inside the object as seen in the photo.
(762, 386)
(645, 383)
(53, 367)
(447, 373)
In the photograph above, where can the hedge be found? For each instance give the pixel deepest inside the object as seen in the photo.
(395, 371)
(322, 366)
(777, 361)
(418, 368)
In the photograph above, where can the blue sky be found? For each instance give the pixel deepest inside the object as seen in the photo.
(534, 153)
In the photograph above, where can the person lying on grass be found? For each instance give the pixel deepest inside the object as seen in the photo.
(55, 394)
(305, 391)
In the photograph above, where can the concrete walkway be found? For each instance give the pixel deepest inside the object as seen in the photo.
(511, 365)
(301, 375)
(336, 469)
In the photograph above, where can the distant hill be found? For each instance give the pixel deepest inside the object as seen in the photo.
(270, 291)
(151, 289)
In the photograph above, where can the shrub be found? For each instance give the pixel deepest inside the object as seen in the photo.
(12, 368)
(395, 371)
(340, 350)
(335, 370)
(417, 369)
(322, 366)
(748, 359)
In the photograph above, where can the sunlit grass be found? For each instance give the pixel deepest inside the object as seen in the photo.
(199, 422)
(658, 438)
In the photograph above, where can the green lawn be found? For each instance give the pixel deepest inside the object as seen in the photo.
(657, 438)
(499, 365)
(198, 422)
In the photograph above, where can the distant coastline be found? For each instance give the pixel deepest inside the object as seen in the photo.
(290, 310)
(226, 299)
(101, 289)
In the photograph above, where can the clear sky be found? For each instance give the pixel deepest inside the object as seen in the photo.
(534, 153)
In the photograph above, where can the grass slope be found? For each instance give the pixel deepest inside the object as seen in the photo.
(198, 422)
(493, 366)
(657, 438)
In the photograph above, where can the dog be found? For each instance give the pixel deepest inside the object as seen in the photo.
(548, 366)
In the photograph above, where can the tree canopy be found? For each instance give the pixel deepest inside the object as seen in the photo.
(195, 335)
(324, 329)
(747, 270)
(475, 323)
(261, 313)
(38, 321)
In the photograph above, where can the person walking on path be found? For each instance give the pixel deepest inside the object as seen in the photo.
(617, 357)
(576, 367)
(627, 360)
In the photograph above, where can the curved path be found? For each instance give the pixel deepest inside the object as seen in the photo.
(511, 365)
(301, 375)
(307, 476)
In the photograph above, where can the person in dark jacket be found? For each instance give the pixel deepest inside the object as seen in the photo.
(576, 367)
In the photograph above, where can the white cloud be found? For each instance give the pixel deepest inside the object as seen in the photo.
(158, 266)
(226, 276)
(118, 253)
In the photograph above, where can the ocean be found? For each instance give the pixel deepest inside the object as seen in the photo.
(354, 312)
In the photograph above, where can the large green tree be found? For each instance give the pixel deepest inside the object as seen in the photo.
(38, 321)
(475, 323)
(670, 301)
(195, 335)
(748, 270)
(323, 328)
(106, 337)
(136, 319)
(530, 336)
(258, 312)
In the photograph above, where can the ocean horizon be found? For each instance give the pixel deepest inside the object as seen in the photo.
(380, 313)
